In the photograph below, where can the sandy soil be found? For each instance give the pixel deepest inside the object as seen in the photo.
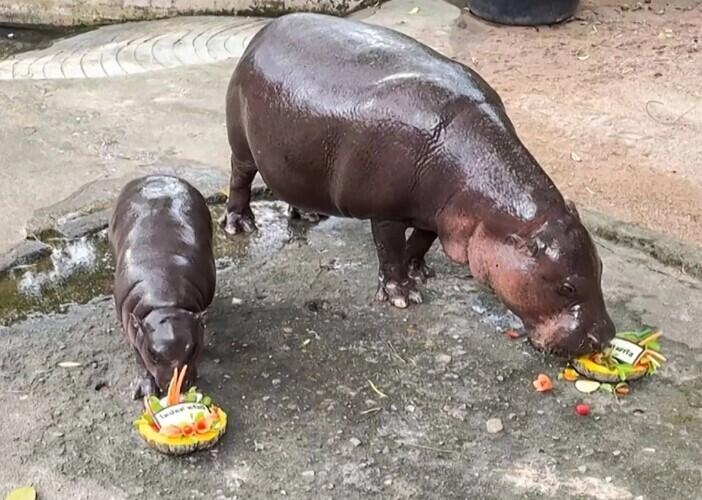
(610, 103)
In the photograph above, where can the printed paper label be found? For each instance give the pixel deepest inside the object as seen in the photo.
(625, 351)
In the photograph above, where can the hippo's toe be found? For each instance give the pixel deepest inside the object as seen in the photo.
(420, 271)
(144, 385)
(235, 223)
(314, 217)
(398, 294)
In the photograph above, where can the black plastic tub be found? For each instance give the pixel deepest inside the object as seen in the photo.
(524, 12)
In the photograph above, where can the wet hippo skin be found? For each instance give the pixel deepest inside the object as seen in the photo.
(161, 238)
(347, 119)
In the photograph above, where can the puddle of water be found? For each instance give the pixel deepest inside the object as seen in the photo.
(273, 234)
(75, 272)
(82, 269)
(15, 40)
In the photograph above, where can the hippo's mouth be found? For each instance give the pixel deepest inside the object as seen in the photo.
(563, 349)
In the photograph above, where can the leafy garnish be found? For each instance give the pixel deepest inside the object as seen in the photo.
(155, 404)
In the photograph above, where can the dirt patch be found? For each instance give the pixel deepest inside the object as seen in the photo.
(609, 103)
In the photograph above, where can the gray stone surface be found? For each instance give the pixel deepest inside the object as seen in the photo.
(78, 224)
(91, 12)
(685, 257)
(88, 209)
(25, 252)
(136, 48)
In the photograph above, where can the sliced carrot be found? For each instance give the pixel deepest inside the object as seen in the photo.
(179, 384)
(171, 386)
(543, 383)
(655, 354)
(187, 430)
(570, 375)
(650, 339)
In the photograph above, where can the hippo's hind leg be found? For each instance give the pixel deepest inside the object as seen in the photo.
(418, 244)
(239, 217)
(395, 284)
(298, 214)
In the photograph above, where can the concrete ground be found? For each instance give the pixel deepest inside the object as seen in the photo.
(295, 343)
(295, 339)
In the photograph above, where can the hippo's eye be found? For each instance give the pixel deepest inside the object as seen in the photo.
(566, 290)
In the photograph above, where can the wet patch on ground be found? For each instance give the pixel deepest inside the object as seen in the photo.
(80, 269)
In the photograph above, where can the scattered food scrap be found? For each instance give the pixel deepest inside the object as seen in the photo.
(543, 383)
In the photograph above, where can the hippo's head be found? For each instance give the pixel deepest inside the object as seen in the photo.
(551, 279)
(169, 338)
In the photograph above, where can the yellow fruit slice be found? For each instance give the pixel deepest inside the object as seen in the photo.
(26, 493)
(588, 368)
(182, 445)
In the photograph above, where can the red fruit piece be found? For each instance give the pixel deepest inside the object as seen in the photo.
(513, 334)
(582, 409)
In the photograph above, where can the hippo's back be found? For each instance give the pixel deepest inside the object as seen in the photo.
(336, 66)
(161, 238)
(345, 118)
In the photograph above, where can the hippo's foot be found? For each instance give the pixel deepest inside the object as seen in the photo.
(144, 385)
(297, 214)
(398, 294)
(234, 223)
(419, 271)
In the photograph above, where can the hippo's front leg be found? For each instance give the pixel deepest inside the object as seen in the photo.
(395, 284)
(144, 384)
(239, 217)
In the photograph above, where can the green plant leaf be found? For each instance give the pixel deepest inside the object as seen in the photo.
(155, 404)
(207, 401)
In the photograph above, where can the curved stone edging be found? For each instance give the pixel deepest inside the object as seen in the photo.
(71, 13)
(136, 48)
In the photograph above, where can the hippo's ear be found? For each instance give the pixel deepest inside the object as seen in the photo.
(570, 205)
(526, 246)
(201, 317)
(136, 324)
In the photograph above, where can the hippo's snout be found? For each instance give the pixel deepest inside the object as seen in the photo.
(598, 336)
(570, 335)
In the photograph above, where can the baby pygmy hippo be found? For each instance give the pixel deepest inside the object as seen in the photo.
(161, 239)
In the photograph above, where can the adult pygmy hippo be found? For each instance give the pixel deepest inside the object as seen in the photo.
(348, 119)
(161, 238)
